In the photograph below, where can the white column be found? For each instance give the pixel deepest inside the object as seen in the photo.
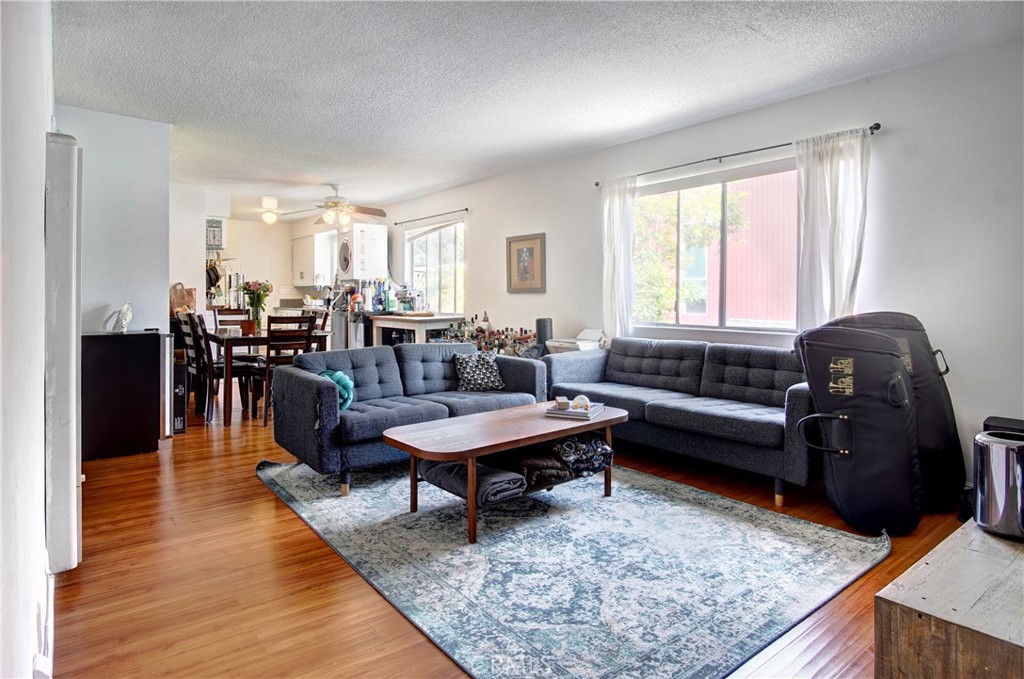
(26, 105)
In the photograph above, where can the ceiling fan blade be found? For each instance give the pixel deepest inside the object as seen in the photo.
(376, 212)
(320, 220)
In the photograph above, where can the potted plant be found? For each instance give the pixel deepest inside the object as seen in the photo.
(256, 295)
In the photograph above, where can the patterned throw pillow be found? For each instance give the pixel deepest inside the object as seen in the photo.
(478, 372)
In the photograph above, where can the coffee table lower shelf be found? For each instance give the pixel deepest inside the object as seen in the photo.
(469, 437)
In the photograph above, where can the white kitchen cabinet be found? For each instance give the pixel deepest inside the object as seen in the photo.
(304, 261)
(314, 259)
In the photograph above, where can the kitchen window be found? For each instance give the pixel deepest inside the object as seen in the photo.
(436, 257)
(718, 250)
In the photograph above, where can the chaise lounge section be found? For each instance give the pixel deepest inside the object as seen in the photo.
(393, 386)
(733, 404)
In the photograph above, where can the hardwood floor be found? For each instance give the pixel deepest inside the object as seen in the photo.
(193, 568)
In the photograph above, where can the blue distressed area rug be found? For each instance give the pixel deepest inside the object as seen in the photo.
(658, 580)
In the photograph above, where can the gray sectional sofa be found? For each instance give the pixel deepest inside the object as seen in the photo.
(404, 384)
(734, 404)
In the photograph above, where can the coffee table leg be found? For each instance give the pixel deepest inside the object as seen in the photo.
(608, 467)
(471, 498)
(414, 482)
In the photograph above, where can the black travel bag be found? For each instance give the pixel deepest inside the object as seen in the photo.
(865, 406)
(938, 444)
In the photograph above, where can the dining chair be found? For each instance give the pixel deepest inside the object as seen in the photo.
(195, 375)
(243, 371)
(321, 319)
(232, 318)
(287, 337)
(226, 317)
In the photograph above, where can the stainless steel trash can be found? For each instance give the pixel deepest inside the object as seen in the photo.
(999, 483)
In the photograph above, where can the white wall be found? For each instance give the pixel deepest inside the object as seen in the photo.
(187, 239)
(26, 103)
(125, 212)
(264, 252)
(944, 235)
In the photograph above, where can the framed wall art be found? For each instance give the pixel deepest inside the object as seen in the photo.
(524, 262)
(214, 234)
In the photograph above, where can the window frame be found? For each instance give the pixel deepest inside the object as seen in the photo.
(459, 239)
(724, 176)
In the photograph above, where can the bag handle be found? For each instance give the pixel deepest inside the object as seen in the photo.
(841, 452)
(938, 354)
(896, 392)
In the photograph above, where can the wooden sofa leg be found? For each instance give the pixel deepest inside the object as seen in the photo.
(780, 492)
(345, 489)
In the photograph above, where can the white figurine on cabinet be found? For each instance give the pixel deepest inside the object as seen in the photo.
(124, 317)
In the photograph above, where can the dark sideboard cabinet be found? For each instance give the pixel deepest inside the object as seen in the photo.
(121, 393)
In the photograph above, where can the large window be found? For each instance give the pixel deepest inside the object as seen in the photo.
(718, 250)
(437, 266)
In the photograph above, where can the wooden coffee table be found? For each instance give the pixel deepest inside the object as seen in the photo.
(468, 437)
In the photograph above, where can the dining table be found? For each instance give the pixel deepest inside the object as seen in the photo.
(229, 338)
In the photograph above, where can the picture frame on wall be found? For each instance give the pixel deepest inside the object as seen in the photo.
(525, 261)
(214, 234)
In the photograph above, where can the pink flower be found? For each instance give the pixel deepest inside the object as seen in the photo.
(254, 285)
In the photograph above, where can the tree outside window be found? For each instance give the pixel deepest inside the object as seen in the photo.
(683, 276)
(436, 259)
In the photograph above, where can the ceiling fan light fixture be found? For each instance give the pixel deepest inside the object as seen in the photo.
(328, 216)
(269, 217)
(344, 218)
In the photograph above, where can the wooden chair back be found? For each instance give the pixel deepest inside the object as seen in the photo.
(203, 346)
(287, 336)
(224, 318)
(191, 352)
(321, 319)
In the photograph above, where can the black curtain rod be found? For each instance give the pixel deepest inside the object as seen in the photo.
(872, 129)
(442, 214)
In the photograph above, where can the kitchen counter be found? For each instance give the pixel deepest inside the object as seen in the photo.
(297, 310)
(419, 325)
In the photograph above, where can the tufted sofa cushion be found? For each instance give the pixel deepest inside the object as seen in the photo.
(429, 368)
(750, 374)
(752, 423)
(461, 403)
(374, 370)
(660, 364)
(632, 399)
(367, 420)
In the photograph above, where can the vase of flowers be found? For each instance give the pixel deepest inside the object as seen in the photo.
(256, 295)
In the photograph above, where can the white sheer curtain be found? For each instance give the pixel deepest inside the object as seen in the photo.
(832, 173)
(617, 204)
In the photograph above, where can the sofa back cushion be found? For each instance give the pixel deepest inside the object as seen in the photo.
(750, 374)
(374, 370)
(661, 364)
(429, 368)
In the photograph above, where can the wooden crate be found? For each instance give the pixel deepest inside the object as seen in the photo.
(958, 612)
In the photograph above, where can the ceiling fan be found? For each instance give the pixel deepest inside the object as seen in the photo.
(337, 210)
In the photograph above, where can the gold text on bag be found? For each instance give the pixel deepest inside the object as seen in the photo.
(841, 376)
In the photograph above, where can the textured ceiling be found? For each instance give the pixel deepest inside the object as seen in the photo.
(394, 100)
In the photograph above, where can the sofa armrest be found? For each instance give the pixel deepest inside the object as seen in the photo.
(798, 456)
(576, 366)
(305, 415)
(525, 375)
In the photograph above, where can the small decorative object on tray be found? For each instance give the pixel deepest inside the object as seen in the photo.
(579, 409)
